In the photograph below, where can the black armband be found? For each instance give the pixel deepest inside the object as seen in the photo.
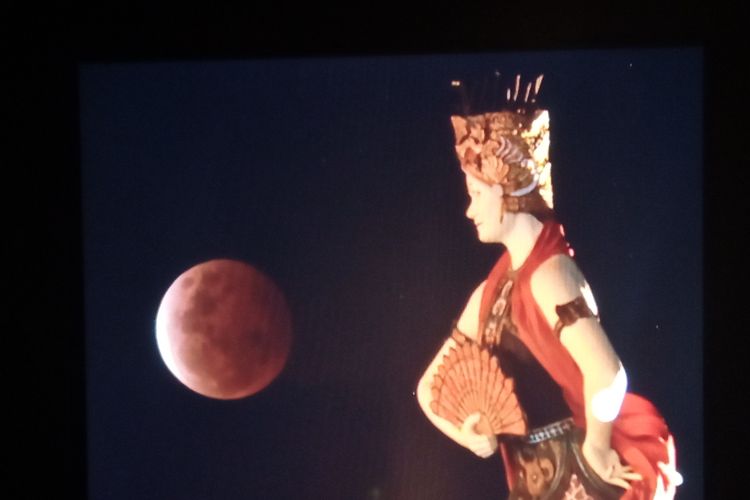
(570, 313)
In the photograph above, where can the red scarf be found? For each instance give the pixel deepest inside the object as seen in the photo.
(639, 434)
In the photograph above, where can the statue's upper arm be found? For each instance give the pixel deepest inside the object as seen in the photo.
(468, 323)
(556, 281)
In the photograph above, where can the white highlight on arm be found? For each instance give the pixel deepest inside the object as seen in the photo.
(588, 296)
(606, 403)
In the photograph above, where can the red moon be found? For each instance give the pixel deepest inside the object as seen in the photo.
(223, 329)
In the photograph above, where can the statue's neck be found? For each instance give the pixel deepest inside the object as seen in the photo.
(521, 239)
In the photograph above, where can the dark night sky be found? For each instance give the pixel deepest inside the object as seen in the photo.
(337, 178)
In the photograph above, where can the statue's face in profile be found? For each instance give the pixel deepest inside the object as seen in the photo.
(485, 208)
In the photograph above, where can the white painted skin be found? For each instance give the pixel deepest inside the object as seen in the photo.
(556, 281)
(606, 404)
(675, 478)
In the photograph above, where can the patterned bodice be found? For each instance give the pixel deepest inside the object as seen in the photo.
(538, 394)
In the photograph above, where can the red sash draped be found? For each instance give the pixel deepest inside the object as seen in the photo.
(639, 434)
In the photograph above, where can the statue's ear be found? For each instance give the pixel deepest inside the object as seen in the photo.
(459, 127)
(497, 189)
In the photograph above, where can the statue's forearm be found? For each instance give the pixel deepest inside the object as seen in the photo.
(424, 397)
(604, 380)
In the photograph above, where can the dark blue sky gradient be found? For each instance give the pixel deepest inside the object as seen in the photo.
(337, 178)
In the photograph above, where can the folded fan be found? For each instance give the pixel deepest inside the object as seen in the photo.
(470, 380)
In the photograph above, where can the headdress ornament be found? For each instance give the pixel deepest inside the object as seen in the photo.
(509, 146)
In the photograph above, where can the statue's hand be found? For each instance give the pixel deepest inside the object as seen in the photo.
(482, 445)
(606, 463)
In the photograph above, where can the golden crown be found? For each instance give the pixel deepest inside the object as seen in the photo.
(510, 147)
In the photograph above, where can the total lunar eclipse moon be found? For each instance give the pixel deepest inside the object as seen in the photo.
(223, 329)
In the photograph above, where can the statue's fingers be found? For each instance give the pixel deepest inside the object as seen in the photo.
(619, 482)
(482, 452)
(621, 470)
(478, 447)
(607, 473)
(631, 476)
(472, 419)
